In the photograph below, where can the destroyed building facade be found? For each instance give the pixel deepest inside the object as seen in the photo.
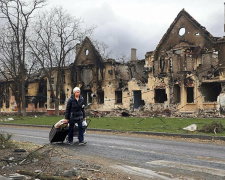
(104, 83)
(185, 73)
(35, 90)
(187, 67)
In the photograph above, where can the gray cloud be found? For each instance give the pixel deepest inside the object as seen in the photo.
(140, 24)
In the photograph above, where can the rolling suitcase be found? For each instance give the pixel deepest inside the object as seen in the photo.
(58, 133)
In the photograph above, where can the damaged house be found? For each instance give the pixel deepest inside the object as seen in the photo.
(187, 67)
(105, 83)
(184, 74)
(35, 90)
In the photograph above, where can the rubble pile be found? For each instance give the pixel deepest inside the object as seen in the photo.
(155, 110)
(51, 162)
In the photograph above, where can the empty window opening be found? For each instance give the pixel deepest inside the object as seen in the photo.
(42, 101)
(118, 95)
(52, 105)
(26, 101)
(176, 93)
(63, 78)
(34, 101)
(190, 95)
(137, 99)
(210, 91)
(52, 101)
(25, 88)
(213, 72)
(87, 76)
(100, 96)
(62, 97)
(197, 34)
(100, 74)
(177, 52)
(7, 89)
(162, 64)
(160, 95)
(42, 86)
(86, 52)
(52, 81)
(7, 104)
(171, 64)
(87, 96)
(42, 93)
(182, 31)
(189, 63)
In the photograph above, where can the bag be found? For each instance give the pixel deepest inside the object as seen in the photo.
(84, 124)
(61, 124)
(76, 119)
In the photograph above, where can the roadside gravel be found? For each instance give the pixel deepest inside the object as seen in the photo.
(61, 161)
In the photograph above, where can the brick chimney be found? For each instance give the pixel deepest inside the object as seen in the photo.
(133, 54)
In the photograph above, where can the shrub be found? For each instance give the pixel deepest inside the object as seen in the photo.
(5, 140)
(214, 127)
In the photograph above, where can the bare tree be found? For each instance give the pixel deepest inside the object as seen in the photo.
(54, 43)
(18, 15)
(103, 49)
(122, 58)
(9, 63)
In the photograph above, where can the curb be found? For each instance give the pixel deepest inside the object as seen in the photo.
(194, 136)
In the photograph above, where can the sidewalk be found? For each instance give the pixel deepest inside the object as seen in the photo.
(203, 137)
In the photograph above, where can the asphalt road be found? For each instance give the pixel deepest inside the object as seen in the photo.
(147, 157)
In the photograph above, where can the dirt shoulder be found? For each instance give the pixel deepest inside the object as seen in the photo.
(58, 162)
(55, 162)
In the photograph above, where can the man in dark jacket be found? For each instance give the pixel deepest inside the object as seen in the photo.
(75, 113)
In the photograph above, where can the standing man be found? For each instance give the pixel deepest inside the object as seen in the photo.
(75, 113)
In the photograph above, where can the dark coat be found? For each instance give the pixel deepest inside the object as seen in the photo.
(75, 109)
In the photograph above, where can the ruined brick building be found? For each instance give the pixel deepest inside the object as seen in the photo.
(185, 73)
(104, 83)
(187, 67)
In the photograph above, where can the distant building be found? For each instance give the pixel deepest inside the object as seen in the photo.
(187, 67)
(184, 74)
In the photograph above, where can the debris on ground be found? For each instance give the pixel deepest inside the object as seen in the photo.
(214, 127)
(192, 127)
(50, 162)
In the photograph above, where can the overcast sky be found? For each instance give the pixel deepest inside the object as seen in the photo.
(140, 24)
